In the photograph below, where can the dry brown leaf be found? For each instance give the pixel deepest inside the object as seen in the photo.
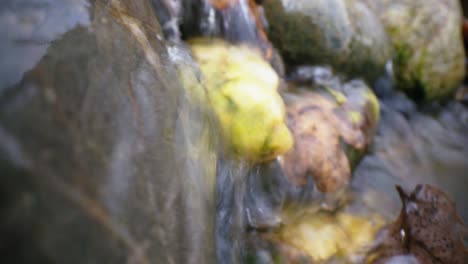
(429, 228)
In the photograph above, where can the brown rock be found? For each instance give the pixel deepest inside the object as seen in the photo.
(317, 145)
(332, 128)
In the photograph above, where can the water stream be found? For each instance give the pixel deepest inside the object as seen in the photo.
(416, 144)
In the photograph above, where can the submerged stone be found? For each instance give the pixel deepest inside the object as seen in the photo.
(344, 34)
(321, 120)
(323, 236)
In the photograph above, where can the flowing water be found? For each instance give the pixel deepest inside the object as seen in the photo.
(104, 159)
(416, 144)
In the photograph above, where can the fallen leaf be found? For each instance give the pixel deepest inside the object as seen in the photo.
(429, 228)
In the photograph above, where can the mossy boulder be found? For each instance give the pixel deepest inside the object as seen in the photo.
(429, 55)
(241, 90)
(344, 34)
(323, 236)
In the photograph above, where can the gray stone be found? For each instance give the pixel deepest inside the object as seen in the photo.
(343, 34)
(96, 150)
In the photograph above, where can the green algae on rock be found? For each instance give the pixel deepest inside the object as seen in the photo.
(321, 120)
(342, 33)
(323, 236)
(315, 237)
(242, 91)
(429, 55)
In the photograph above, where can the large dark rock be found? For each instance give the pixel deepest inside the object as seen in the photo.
(94, 151)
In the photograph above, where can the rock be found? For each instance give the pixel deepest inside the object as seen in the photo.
(323, 236)
(428, 228)
(322, 119)
(429, 56)
(306, 237)
(95, 152)
(342, 33)
(242, 92)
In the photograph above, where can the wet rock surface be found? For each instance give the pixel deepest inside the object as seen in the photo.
(426, 36)
(342, 237)
(333, 124)
(242, 91)
(89, 132)
(343, 34)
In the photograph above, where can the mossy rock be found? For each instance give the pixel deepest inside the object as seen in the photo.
(325, 236)
(344, 34)
(429, 55)
(241, 91)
